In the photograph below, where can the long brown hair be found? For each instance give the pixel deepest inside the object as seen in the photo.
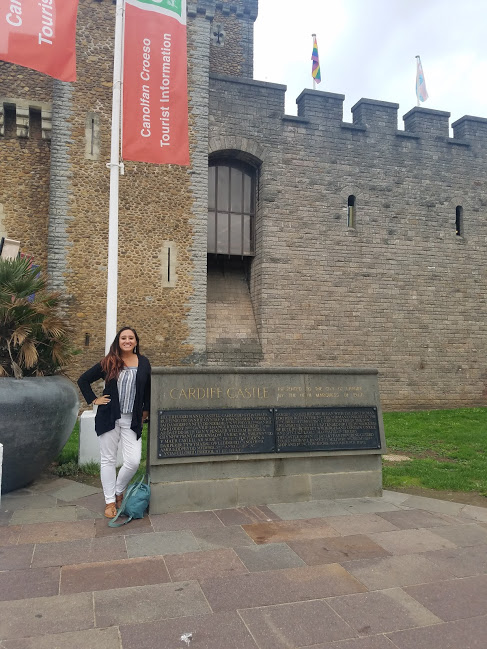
(113, 363)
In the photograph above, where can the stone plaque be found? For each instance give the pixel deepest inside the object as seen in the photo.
(326, 429)
(188, 433)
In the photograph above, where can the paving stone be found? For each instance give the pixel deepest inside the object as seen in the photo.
(142, 604)
(105, 575)
(401, 570)
(80, 551)
(14, 501)
(278, 587)
(416, 518)
(43, 615)
(454, 599)
(476, 513)
(136, 526)
(366, 505)
(9, 534)
(47, 483)
(337, 550)
(236, 516)
(463, 634)
(217, 631)
(5, 517)
(434, 505)
(283, 531)
(382, 611)
(159, 543)
(463, 535)
(16, 557)
(310, 509)
(260, 513)
(55, 532)
(225, 537)
(461, 562)
(74, 491)
(49, 515)
(202, 565)
(372, 642)
(90, 639)
(94, 503)
(395, 497)
(82, 514)
(23, 584)
(275, 556)
(360, 524)
(184, 521)
(298, 624)
(411, 541)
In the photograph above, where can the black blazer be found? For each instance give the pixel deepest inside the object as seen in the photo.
(107, 415)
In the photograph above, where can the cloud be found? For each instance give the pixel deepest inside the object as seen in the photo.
(368, 48)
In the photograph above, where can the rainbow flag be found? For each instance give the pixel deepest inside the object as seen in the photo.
(315, 69)
(421, 92)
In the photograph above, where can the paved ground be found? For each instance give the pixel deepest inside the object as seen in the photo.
(398, 572)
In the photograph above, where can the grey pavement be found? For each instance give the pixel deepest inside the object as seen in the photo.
(396, 572)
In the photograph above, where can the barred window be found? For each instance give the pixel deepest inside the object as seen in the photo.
(231, 209)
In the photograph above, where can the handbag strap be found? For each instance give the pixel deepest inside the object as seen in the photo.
(130, 489)
(113, 523)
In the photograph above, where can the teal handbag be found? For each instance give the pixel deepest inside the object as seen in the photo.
(134, 504)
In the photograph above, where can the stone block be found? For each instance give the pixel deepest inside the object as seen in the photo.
(193, 496)
(346, 485)
(283, 489)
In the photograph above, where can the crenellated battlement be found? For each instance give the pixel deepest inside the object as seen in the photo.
(240, 8)
(21, 113)
(468, 127)
(368, 115)
(376, 116)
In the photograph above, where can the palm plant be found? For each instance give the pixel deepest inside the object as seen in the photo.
(34, 337)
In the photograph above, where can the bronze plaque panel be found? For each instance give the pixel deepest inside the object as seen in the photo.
(326, 429)
(188, 433)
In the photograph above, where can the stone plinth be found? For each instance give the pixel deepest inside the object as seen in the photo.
(214, 481)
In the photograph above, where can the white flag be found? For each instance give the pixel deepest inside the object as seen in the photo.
(421, 92)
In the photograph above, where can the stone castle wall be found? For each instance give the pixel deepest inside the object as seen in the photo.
(60, 214)
(24, 157)
(401, 291)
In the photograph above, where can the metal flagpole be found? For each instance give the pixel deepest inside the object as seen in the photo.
(115, 169)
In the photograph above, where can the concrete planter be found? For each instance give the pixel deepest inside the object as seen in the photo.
(37, 416)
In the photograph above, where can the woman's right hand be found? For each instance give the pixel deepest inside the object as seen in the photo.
(101, 401)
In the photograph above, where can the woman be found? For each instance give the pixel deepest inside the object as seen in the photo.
(122, 408)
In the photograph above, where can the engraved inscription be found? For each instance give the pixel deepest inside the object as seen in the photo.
(252, 393)
(325, 429)
(298, 393)
(183, 433)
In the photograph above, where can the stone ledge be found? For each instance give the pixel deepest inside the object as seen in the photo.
(266, 370)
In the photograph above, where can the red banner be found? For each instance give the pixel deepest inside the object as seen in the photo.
(155, 95)
(40, 34)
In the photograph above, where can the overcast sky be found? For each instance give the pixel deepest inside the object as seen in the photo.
(367, 48)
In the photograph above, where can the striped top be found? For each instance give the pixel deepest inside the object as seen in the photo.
(126, 389)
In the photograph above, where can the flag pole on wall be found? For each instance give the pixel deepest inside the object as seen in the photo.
(315, 67)
(115, 170)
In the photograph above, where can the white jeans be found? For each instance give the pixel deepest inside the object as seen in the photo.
(131, 453)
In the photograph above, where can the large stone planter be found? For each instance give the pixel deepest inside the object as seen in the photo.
(37, 416)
